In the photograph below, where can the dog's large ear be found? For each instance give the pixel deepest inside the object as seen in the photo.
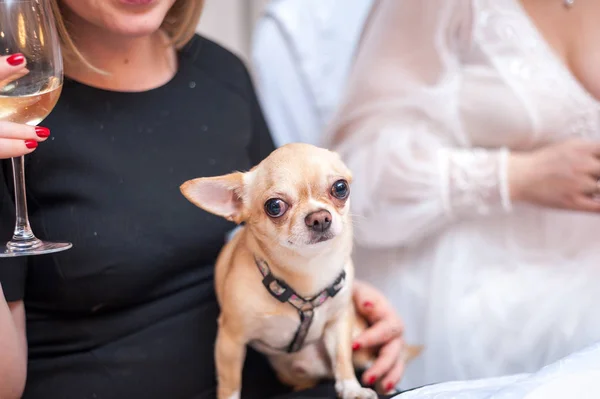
(221, 195)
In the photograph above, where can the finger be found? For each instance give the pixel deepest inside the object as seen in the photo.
(363, 297)
(379, 334)
(372, 311)
(15, 76)
(11, 64)
(594, 147)
(393, 377)
(592, 167)
(587, 203)
(368, 303)
(16, 148)
(386, 358)
(12, 67)
(10, 130)
(589, 185)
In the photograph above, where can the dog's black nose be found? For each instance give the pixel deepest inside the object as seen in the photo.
(319, 221)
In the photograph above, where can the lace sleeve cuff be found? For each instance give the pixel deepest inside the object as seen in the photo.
(474, 181)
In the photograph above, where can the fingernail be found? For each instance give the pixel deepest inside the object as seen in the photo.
(15, 59)
(31, 144)
(372, 380)
(389, 387)
(355, 346)
(368, 304)
(42, 131)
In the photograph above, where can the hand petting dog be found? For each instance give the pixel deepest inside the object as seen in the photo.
(384, 334)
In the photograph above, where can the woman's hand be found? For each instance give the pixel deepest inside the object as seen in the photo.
(16, 139)
(385, 333)
(563, 175)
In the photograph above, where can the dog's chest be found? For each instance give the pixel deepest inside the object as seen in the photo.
(277, 326)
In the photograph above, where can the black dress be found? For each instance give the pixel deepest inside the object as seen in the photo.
(130, 311)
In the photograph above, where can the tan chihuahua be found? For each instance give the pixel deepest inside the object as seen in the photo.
(284, 281)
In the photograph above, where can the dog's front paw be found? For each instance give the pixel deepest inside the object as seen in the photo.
(351, 389)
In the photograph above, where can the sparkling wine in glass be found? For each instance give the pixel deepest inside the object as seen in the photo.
(28, 27)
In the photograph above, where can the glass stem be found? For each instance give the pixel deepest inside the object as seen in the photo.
(22, 228)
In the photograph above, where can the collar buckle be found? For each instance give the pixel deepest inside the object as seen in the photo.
(305, 307)
(277, 288)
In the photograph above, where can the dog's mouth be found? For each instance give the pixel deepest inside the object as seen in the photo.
(318, 238)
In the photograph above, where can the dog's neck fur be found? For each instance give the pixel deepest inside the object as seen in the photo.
(307, 274)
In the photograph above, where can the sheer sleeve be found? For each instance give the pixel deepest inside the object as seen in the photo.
(13, 271)
(399, 129)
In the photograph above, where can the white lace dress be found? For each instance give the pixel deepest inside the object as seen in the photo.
(441, 92)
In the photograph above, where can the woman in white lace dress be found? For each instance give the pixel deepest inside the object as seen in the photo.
(473, 131)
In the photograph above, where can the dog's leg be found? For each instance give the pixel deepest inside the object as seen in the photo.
(230, 352)
(338, 341)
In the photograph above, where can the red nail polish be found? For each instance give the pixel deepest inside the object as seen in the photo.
(42, 131)
(15, 59)
(31, 144)
(372, 380)
(368, 304)
(355, 346)
(389, 387)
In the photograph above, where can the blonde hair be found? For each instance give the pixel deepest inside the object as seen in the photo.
(179, 24)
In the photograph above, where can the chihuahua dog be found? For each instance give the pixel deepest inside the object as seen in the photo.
(284, 281)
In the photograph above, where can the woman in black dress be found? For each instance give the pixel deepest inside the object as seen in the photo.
(129, 312)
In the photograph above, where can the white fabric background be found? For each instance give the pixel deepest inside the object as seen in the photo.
(231, 23)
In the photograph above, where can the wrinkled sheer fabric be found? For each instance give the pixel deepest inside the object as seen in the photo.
(575, 376)
(440, 93)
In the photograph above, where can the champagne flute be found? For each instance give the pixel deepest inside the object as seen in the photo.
(28, 27)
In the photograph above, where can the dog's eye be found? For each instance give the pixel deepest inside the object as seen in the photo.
(340, 189)
(276, 207)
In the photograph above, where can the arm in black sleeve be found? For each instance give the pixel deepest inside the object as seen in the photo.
(13, 271)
